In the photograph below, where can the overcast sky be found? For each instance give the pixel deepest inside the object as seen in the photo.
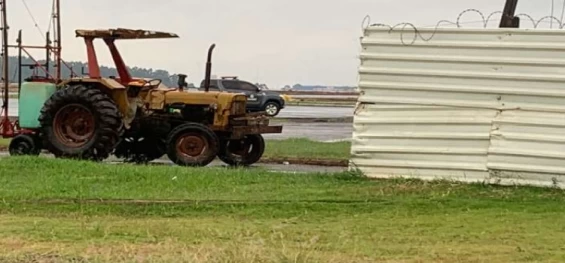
(271, 41)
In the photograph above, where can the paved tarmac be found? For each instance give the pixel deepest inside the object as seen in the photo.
(316, 112)
(313, 131)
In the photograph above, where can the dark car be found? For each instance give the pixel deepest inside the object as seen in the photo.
(257, 99)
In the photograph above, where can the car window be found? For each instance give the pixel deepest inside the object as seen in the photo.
(247, 87)
(231, 85)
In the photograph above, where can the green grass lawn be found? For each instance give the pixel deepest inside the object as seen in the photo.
(307, 149)
(65, 211)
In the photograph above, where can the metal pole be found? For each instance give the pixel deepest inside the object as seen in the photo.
(7, 128)
(508, 18)
(58, 42)
(5, 57)
(47, 53)
(19, 62)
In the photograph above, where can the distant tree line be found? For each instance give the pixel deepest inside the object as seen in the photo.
(77, 66)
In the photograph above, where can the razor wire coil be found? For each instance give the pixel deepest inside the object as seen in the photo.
(484, 20)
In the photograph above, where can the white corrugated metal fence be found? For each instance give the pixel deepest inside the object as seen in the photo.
(469, 104)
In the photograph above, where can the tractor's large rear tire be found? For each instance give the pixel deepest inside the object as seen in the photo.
(81, 122)
(192, 144)
(243, 152)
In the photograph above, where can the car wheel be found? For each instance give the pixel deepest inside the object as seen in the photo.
(272, 108)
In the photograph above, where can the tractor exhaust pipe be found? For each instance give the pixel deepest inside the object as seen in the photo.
(209, 68)
(182, 81)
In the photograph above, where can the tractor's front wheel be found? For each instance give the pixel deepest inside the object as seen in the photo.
(81, 122)
(192, 144)
(242, 152)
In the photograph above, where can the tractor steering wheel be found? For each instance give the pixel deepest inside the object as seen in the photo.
(152, 84)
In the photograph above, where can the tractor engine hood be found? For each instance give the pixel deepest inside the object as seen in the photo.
(159, 99)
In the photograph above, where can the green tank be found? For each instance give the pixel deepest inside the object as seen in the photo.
(32, 97)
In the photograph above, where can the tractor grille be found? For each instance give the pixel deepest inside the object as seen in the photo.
(238, 108)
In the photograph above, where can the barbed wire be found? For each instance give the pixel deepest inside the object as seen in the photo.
(491, 15)
(471, 10)
(484, 20)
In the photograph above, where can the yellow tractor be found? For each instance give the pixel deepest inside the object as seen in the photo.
(93, 117)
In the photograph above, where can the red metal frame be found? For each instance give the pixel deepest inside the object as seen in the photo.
(7, 127)
(124, 76)
(93, 68)
(93, 65)
(10, 128)
(123, 72)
